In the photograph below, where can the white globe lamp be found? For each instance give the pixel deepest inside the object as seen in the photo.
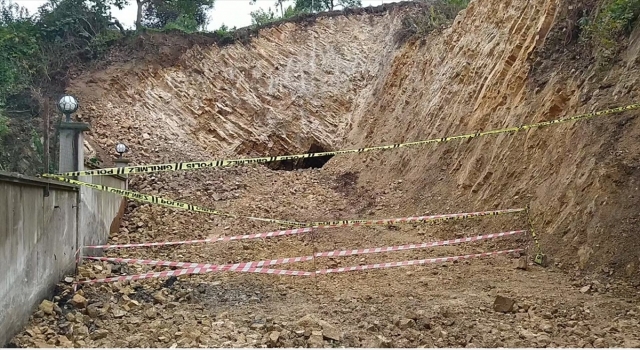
(121, 148)
(68, 105)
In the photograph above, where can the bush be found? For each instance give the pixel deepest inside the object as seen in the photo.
(184, 24)
(102, 42)
(612, 20)
(435, 16)
(4, 127)
(4, 131)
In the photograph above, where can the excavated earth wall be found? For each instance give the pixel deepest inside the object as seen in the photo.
(333, 82)
(342, 82)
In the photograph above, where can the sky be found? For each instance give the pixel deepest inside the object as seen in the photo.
(229, 12)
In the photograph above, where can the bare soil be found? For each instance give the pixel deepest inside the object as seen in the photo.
(439, 305)
(266, 98)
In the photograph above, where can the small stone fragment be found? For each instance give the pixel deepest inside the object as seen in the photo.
(99, 334)
(118, 313)
(383, 342)
(79, 301)
(585, 289)
(159, 298)
(81, 331)
(503, 304)
(92, 311)
(406, 323)
(522, 263)
(150, 312)
(316, 340)
(329, 331)
(47, 307)
(273, 338)
(64, 342)
(257, 325)
(307, 321)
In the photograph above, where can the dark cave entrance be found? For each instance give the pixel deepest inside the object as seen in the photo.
(307, 163)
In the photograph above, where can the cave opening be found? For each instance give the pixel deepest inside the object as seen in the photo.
(307, 163)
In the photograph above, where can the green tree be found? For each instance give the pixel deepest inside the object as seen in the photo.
(324, 5)
(189, 15)
(613, 20)
(290, 12)
(260, 16)
(20, 56)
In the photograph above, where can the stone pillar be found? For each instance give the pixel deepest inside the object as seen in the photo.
(121, 163)
(72, 146)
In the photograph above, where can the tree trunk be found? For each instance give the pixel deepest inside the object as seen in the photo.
(139, 14)
(120, 27)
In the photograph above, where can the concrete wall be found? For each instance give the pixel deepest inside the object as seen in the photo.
(100, 212)
(39, 237)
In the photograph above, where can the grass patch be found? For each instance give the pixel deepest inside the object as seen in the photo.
(434, 16)
(613, 20)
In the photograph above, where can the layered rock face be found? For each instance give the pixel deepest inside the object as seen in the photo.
(343, 82)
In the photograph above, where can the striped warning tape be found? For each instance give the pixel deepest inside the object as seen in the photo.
(208, 240)
(214, 267)
(418, 246)
(413, 262)
(190, 271)
(198, 270)
(333, 253)
(334, 224)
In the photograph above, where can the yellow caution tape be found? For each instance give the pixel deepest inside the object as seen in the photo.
(316, 225)
(223, 163)
(414, 219)
(169, 203)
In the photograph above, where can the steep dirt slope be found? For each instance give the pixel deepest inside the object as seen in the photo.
(581, 179)
(287, 90)
(342, 82)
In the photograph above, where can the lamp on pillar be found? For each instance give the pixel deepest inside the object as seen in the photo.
(121, 162)
(71, 137)
(121, 148)
(68, 105)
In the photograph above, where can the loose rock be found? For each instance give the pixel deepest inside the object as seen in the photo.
(503, 304)
(273, 338)
(79, 301)
(316, 340)
(329, 331)
(406, 323)
(47, 307)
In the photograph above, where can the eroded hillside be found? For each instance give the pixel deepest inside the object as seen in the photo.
(345, 82)
(340, 82)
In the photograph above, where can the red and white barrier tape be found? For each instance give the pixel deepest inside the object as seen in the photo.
(225, 267)
(192, 271)
(219, 239)
(309, 229)
(417, 246)
(248, 266)
(198, 270)
(413, 262)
